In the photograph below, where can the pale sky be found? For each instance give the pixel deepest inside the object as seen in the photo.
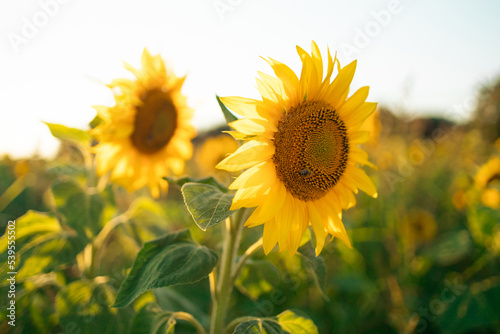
(56, 55)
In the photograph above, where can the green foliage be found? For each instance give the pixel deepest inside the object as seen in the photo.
(172, 259)
(84, 306)
(152, 319)
(315, 265)
(287, 322)
(258, 277)
(42, 244)
(207, 204)
(76, 136)
(82, 211)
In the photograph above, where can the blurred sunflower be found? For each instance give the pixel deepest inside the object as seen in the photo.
(211, 151)
(301, 151)
(148, 133)
(419, 226)
(487, 175)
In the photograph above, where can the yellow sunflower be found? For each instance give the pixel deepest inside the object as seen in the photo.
(301, 151)
(485, 180)
(148, 133)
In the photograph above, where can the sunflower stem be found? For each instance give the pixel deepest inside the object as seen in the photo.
(232, 235)
(249, 252)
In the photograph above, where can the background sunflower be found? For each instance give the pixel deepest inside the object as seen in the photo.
(146, 135)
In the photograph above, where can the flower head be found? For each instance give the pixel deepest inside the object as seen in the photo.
(302, 152)
(147, 134)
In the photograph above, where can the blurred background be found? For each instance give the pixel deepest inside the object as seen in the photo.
(426, 252)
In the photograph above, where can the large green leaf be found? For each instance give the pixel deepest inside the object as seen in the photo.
(172, 259)
(82, 211)
(74, 135)
(41, 245)
(83, 307)
(315, 266)
(287, 322)
(207, 204)
(228, 115)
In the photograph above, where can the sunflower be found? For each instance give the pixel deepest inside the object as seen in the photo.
(301, 151)
(487, 181)
(488, 173)
(419, 226)
(147, 134)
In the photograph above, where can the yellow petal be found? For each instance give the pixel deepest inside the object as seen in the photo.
(242, 106)
(345, 195)
(309, 80)
(359, 137)
(347, 109)
(316, 57)
(249, 197)
(262, 173)
(317, 225)
(287, 76)
(270, 205)
(358, 115)
(248, 155)
(299, 225)
(284, 219)
(335, 94)
(270, 236)
(357, 155)
(361, 180)
(253, 126)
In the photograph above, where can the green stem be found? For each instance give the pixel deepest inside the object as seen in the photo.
(252, 249)
(189, 318)
(232, 236)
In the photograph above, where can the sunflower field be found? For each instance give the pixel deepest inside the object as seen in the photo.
(313, 210)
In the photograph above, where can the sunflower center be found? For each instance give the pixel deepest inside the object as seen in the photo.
(155, 122)
(311, 150)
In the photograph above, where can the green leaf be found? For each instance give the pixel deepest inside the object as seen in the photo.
(259, 326)
(286, 322)
(83, 306)
(469, 309)
(42, 245)
(228, 115)
(257, 278)
(169, 260)
(450, 247)
(73, 135)
(151, 319)
(207, 204)
(82, 211)
(296, 324)
(315, 266)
